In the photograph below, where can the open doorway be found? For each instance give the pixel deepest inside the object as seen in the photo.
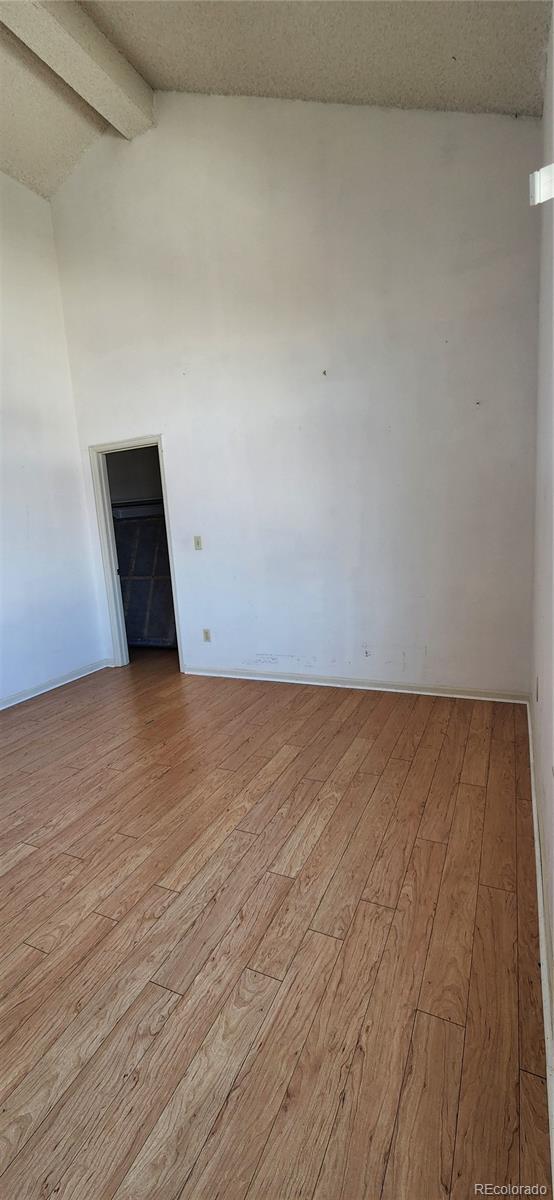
(129, 489)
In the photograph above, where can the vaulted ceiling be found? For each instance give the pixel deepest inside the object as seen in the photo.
(464, 55)
(452, 54)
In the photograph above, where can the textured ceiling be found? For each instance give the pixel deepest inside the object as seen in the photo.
(470, 55)
(44, 126)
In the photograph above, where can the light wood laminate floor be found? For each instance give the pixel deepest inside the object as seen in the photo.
(268, 941)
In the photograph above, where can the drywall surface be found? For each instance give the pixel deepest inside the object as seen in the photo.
(49, 607)
(329, 314)
(543, 680)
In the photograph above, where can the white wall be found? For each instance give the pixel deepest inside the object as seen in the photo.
(542, 710)
(329, 313)
(49, 609)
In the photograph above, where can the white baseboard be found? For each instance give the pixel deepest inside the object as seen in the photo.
(50, 684)
(546, 949)
(368, 685)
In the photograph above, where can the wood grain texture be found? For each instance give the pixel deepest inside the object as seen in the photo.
(171, 1150)
(202, 847)
(414, 728)
(487, 1138)
(195, 999)
(535, 1166)
(523, 765)
(498, 860)
(122, 1128)
(388, 870)
(420, 1160)
(503, 721)
(292, 1157)
(532, 1052)
(62, 1004)
(57, 928)
(383, 746)
(306, 834)
(338, 905)
(445, 986)
(16, 854)
(192, 951)
(30, 993)
(475, 766)
(356, 1156)
(439, 808)
(52, 1073)
(278, 947)
(16, 965)
(58, 1139)
(229, 1158)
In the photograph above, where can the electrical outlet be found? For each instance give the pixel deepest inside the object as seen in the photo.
(207, 635)
(197, 542)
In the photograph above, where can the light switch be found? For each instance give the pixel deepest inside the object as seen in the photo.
(197, 542)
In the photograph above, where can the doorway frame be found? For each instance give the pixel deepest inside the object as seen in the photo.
(102, 499)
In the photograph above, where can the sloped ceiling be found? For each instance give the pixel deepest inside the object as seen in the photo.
(44, 125)
(468, 55)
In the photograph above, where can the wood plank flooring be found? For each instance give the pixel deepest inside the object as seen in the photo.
(266, 942)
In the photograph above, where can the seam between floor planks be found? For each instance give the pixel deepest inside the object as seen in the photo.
(356, 731)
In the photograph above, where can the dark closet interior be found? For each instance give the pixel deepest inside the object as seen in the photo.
(141, 541)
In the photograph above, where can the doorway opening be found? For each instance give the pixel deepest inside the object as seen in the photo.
(136, 549)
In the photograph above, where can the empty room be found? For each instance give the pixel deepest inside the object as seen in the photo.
(276, 750)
